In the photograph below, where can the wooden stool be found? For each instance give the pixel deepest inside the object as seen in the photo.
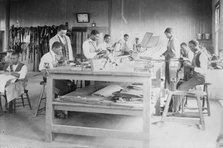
(193, 94)
(41, 98)
(205, 98)
(1, 103)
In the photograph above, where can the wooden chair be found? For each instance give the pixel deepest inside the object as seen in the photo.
(22, 98)
(192, 94)
(17, 102)
(41, 98)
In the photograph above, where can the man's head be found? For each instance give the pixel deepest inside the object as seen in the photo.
(57, 48)
(126, 37)
(107, 38)
(193, 44)
(168, 32)
(137, 40)
(62, 30)
(94, 35)
(14, 58)
(183, 45)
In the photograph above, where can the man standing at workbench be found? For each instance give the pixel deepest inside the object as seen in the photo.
(62, 38)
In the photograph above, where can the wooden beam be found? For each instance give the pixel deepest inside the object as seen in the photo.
(109, 15)
(88, 131)
(119, 110)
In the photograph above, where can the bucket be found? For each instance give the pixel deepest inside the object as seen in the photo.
(206, 36)
(199, 36)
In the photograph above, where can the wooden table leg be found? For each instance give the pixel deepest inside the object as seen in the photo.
(147, 111)
(49, 108)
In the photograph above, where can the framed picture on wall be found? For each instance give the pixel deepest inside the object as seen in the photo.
(83, 17)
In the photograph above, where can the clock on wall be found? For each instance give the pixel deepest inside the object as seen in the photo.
(83, 17)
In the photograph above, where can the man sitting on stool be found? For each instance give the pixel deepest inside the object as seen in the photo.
(199, 65)
(15, 78)
(53, 59)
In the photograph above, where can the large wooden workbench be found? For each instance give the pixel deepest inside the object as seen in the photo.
(112, 76)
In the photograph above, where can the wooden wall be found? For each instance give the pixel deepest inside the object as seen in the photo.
(2, 24)
(55, 12)
(187, 17)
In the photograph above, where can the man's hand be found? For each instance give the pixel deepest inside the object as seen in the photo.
(188, 64)
(45, 72)
(15, 74)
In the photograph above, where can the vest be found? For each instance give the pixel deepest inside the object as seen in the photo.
(18, 68)
(196, 60)
(65, 49)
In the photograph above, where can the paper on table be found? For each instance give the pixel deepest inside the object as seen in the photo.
(108, 90)
(3, 80)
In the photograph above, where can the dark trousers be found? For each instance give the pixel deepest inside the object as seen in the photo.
(63, 86)
(197, 79)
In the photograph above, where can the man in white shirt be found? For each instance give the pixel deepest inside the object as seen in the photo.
(185, 56)
(199, 66)
(53, 59)
(15, 85)
(16, 68)
(106, 45)
(90, 48)
(126, 46)
(65, 41)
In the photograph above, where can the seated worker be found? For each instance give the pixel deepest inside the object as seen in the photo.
(126, 46)
(185, 56)
(65, 42)
(90, 48)
(199, 66)
(106, 45)
(53, 59)
(136, 46)
(13, 79)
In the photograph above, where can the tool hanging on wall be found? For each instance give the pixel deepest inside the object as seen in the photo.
(36, 40)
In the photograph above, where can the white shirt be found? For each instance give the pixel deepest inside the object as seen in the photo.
(49, 58)
(103, 46)
(58, 38)
(190, 55)
(22, 73)
(126, 45)
(90, 49)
